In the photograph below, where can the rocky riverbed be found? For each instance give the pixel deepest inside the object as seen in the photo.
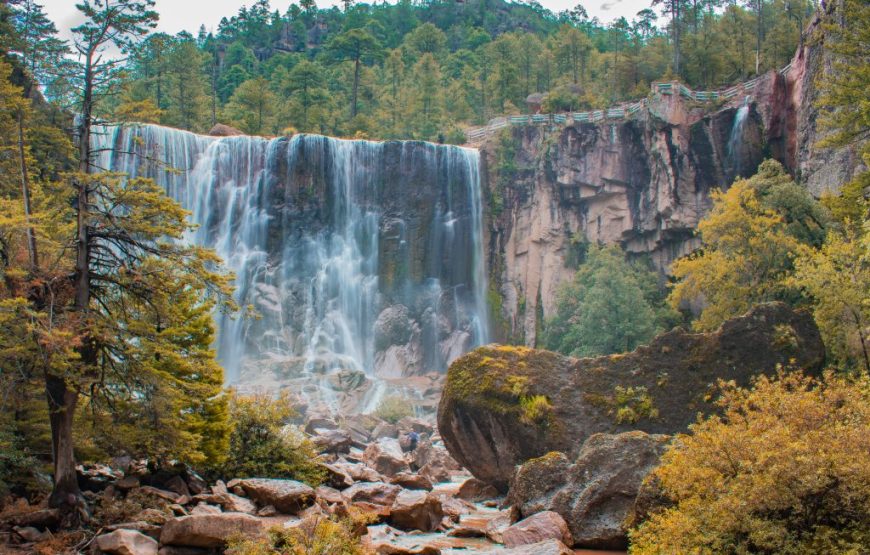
(419, 501)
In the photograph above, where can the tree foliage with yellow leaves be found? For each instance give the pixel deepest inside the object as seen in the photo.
(749, 241)
(783, 470)
(837, 278)
(131, 370)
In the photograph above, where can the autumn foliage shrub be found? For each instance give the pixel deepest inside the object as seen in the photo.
(784, 469)
(263, 444)
(314, 536)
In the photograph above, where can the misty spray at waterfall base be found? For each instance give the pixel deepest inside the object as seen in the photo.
(363, 260)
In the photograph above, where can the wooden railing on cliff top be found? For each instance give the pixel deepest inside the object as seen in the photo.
(476, 135)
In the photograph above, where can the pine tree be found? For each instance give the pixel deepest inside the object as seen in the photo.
(252, 108)
(186, 87)
(354, 45)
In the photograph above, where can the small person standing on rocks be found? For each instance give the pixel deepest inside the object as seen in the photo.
(410, 443)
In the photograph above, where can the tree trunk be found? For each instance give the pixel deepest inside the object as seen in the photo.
(355, 88)
(25, 195)
(61, 410)
(675, 21)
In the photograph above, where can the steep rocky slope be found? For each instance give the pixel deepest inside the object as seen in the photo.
(643, 182)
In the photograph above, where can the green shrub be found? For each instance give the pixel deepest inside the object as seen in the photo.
(314, 536)
(394, 408)
(633, 404)
(262, 444)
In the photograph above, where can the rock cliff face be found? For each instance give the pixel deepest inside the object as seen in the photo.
(644, 182)
(504, 405)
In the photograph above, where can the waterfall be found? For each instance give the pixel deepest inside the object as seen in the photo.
(735, 139)
(359, 257)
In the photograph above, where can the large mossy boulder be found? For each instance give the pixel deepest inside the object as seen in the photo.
(504, 405)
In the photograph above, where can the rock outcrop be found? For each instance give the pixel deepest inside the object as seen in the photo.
(596, 493)
(643, 183)
(505, 405)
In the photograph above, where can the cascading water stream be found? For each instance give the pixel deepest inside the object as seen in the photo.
(735, 138)
(359, 256)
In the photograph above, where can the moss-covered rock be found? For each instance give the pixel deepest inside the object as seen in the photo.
(503, 405)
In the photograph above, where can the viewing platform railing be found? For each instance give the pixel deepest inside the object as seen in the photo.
(619, 112)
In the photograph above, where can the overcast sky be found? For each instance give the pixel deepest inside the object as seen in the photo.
(181, 15)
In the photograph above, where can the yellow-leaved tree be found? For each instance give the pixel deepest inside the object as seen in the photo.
(785, 469)
(837, 277)
(749, 242)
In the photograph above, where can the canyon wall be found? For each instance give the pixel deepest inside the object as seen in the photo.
(643, 182)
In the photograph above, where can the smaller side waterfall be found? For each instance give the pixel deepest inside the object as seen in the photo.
(735, 139)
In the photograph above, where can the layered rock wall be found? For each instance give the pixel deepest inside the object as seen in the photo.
(644, 183)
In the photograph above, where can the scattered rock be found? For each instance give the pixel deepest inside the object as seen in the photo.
(390, 549)
(287, 496)
(176, 550)
(333, 441)
(170, 496)
(337, 477)
(547, 547)
(410, 480)
(126, 542)
(435, 473)
(210, 530)
(377, 497)
(222, 130)
(487, 430)
(385, 429)
(178, 485)
(205, 509)
(596, 494)
(385, 456)
(330, 495)
(359, 472)
(229, 502)
(268, 510)
(495, 528)
(147, 528)
(30, 534)
(537, 528)
(127, 483)
(416, 510)
(476, 490)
